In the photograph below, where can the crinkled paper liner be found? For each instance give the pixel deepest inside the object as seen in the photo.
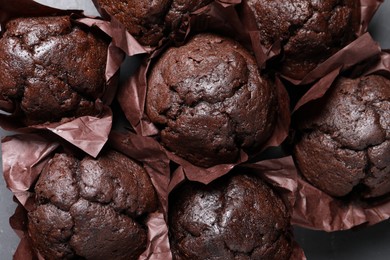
(89, 133)
(314, 208)
(24, 157)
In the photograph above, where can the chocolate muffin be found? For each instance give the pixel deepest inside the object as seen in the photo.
(210, 101)
(148, 21)
(51, 68)
(236, 217)
(91, 209)
(344, 138)
(309, 31)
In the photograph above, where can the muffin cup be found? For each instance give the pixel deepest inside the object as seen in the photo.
(24, 157)
(132, 98)
(265, 54)
(314, 208)
(216, 16)
(279, 173)
(89, 133)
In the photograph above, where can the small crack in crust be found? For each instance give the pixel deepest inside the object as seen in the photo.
(209, 100)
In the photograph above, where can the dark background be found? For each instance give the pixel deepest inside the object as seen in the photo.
(368, 243)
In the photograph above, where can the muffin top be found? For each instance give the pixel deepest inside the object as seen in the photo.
(91, 208)
(51, 68)
(210, 101)
(308, 30)
(236, 217)
(345, 137)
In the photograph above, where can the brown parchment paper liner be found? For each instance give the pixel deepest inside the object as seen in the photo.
(24, 156)
(314, 208)
(264, 54)
(88, 133)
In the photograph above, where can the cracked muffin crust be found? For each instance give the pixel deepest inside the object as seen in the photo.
(236, 217)
(51, 68)
(309, 30)
(149, 21)
(209, 101)
(344, 139)
(91, 209)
